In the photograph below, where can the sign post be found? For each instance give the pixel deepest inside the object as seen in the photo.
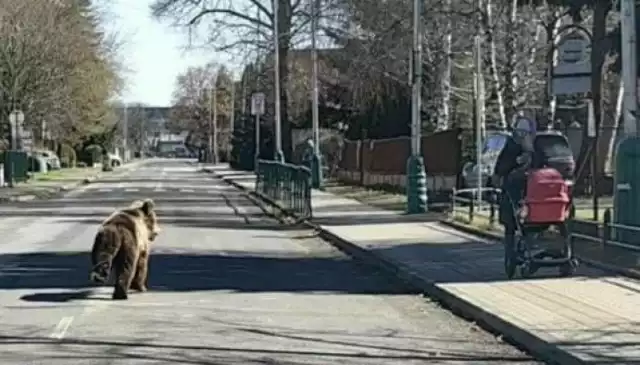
(416, 186)
(257, 109)
(572, 75)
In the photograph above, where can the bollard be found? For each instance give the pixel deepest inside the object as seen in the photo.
(606, 227)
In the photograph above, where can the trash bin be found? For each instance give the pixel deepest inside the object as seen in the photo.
(16, 166)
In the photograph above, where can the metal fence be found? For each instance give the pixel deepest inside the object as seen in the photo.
(607, 233)
(474, 204)
(481, 208)
(286, 184)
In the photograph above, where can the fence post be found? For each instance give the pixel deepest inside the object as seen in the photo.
(606, 227)
(492, 208)
(453, 203)
(259, 181)
(471, 209)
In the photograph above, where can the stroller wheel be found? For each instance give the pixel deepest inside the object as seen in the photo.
(527, 270)
(569, 268)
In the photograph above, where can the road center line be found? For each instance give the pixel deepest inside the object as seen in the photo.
(61, 328)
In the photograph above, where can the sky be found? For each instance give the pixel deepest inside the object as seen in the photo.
(153, 52)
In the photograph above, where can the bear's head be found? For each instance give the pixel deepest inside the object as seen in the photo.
(147, 207)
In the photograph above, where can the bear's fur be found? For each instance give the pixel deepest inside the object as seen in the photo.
(122, 245)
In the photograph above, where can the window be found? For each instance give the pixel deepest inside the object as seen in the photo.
(549, 145)
(495, 143)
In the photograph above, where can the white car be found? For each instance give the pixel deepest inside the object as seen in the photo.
(53, 161)
(115, 160)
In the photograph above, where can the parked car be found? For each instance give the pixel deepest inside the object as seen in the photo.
(53, 161)
(492, 145)
(115, 160)
(552, 146)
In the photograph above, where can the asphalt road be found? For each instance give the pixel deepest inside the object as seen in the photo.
(227, 286)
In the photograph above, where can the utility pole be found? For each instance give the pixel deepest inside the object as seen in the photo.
(125, 133)
(479, 102)
(316, 159)
(210, 134)
(416, 175)
(479, 112)
(279, 156)
(629, 68)
(214, 121)
(232, 117)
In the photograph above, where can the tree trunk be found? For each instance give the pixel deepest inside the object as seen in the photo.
(444, 119)
(284, 24)
(493, 62)
(589, 145)
(612, 138)
(510, 75)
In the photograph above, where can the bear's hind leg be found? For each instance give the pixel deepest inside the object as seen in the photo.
(142, 269)
(124, 271)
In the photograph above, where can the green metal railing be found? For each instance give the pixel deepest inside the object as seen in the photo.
(286, 184)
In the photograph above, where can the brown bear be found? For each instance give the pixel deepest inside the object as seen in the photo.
(122, 245)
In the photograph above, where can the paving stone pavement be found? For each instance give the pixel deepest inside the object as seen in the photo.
(591, 318)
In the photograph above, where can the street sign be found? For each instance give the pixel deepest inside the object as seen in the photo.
(257, 104)
(572, 73)
(16, 117)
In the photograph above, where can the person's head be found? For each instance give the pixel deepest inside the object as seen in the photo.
(524, 131)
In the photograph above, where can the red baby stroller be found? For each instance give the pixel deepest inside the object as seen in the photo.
(546, 203)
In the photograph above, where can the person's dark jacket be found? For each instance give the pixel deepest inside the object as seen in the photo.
(510, 169)
(508, 158)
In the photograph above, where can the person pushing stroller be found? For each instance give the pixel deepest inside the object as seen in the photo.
(510, 173)
(535, 196)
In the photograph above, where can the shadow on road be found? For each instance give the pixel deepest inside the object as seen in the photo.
(142, 349)
(237, 271)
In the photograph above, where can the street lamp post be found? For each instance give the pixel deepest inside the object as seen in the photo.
(316, 158)
(16, 119)
(213, 120)
(279, 156)
(416, 175)
(125, 133)
(629, 68)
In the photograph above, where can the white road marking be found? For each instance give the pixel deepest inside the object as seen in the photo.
(187, 191)
(61, 328)
(105, 190)
(131, 190)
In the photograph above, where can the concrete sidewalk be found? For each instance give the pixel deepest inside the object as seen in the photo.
(591, 318)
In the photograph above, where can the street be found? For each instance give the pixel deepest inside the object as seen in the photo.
(227, 285)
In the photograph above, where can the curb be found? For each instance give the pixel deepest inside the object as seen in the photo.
(588, 262)
(535, 346)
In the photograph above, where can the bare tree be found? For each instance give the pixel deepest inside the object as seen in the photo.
(193, 101)
(57, 67)
(243, 27)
